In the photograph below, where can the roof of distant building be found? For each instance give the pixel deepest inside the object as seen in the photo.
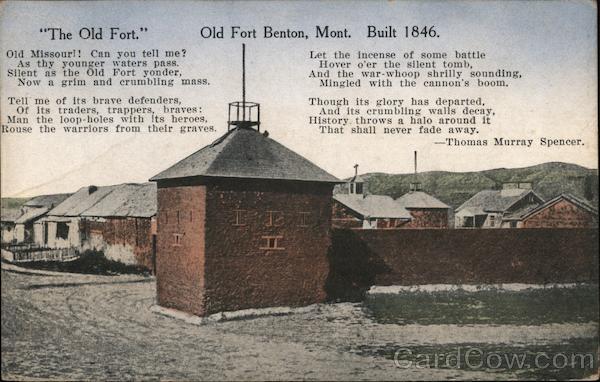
(137, 200)
(123, 200)
(420, 199)
(31, 215)
(495, 200)
(246, 153)
(582, 203)
(519, 213)
(48, 201)
(373, 206)
(10, 215)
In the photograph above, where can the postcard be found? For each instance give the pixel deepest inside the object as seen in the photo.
(299, 190)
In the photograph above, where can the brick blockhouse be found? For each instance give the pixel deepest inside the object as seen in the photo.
(242, 223)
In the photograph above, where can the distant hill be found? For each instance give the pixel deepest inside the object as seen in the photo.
(453, 188)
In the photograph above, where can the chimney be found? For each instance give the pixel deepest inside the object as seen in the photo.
(517, 185)
(415, 163)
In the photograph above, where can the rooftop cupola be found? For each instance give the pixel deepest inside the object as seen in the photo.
(243, 114)
(356, 183)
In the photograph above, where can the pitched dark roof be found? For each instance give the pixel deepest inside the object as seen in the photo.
(32, 214)
(581, 203)
(246, 153)
(373, 206)
(420, 199)
(520, 213)
(80, 201)
(47, 201)
(495, 200)
(10, 214)
(137, 200)
(123, 200)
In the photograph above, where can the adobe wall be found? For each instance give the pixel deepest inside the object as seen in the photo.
(240, 272)
(427, 218)
(128, 240)
(8, 232)
(361, 258)
(180, 247)
(562, 215)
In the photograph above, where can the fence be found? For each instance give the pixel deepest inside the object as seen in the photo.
(31, 253)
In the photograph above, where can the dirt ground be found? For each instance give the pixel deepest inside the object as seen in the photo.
(101, 327)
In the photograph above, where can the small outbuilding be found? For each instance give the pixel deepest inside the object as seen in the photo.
(498, 208)
(117, 220)
(563, 211)
(33, 210)
(353, 208)
(8, 220)
(425, 210)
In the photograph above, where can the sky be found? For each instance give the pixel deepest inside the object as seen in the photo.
(552, 43)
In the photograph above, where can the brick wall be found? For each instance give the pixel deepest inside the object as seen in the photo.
(562, 214)
(361, 258)
(427, 218)
(241, 216)
(343, 217)
(181, 247)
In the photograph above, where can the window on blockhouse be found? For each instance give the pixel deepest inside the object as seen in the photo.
(137, 241)
(239, 218)
(272, 243)
(177, 239)
(62, 231)
(274, 218)
(304, 219)
(359, 188)
(492, 220)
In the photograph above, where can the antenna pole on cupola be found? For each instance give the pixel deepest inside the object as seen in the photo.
(415, 185)
(243, 114)
(243, 82)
